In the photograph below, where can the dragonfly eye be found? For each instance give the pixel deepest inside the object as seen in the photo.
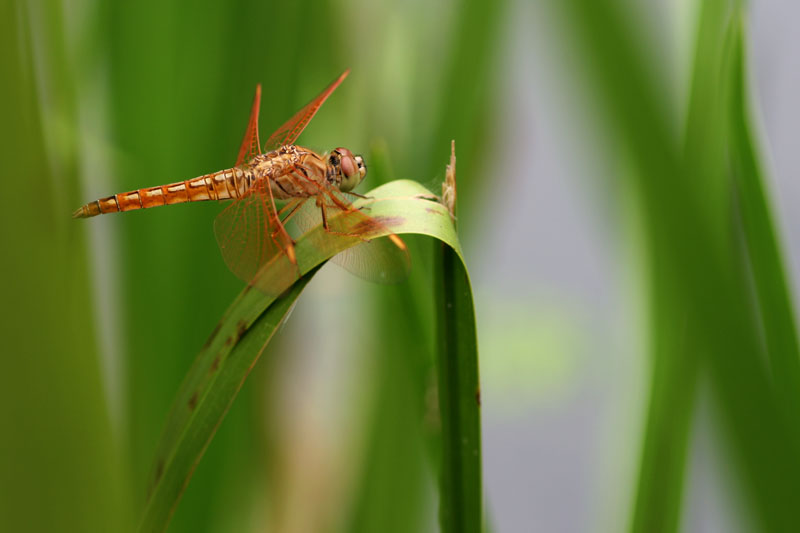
(353, 169)
(362, 167)
(349, 167)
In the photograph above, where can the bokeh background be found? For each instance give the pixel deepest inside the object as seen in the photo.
(101, 319)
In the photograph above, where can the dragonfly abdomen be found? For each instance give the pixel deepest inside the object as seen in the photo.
(222, 185)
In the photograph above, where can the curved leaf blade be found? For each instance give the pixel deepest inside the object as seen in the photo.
(223, 364)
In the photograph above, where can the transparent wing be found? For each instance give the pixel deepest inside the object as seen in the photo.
(250, 144)
(292, 129)
(378, 259)
(251, 236)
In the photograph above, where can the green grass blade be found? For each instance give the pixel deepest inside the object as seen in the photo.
(59, 465)
(208, 404)
(637, 114)
(687, 223)
(461, 496)
(675, 370)
(221, 367)
(763, 247)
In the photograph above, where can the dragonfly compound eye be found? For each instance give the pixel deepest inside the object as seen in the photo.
(349, 166)
(353, 169)
(362, 167)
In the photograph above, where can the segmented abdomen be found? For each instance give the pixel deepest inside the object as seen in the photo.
(222, 185)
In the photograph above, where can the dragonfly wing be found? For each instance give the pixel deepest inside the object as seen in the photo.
(378, 259)
(292, 129)
(253, 242)
(250, 143)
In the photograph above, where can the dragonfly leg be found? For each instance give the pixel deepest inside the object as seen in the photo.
(321, 205)
(286, 243)
(323, 195)
(292, 208)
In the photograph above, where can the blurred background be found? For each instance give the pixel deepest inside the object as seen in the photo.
(102, 318)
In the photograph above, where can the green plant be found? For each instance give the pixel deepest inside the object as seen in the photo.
(695, 192)
(241, 337)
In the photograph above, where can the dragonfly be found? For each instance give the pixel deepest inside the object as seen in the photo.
(315, 188)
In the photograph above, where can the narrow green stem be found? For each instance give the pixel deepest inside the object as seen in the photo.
(762, 243)
(459, 397)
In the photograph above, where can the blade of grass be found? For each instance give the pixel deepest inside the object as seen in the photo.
(638, 116)
(690, 238)
(461, 508)
(59, 466)
(763, 247)
(675, 369)
(211, 402)
(221, 367)
(461, 496)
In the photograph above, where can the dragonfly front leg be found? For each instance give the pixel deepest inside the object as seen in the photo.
(321, 204)
(360, 195)
(280, 236)
(321, 207)
(325, 199)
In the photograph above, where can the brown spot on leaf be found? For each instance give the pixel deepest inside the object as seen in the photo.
(213, 335)
(367, 225)
(391, 221)
(478, 396)
(159, 470)
(193, 401)
(241, 329)
(375, 224)
(214, 365)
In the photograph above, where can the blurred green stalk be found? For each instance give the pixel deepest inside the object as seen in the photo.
(774, 297)
(699, 276)
(59, 470)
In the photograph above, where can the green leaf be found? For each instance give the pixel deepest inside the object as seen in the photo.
(763, 246)
(698, 271)
(208, 392)
(459, 396)
(676, 365)
(59, 459)
(236, 344)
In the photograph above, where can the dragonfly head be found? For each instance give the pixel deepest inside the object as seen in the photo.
(348, 169)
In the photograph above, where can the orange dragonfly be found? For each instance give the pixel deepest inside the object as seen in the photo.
(251, 231)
